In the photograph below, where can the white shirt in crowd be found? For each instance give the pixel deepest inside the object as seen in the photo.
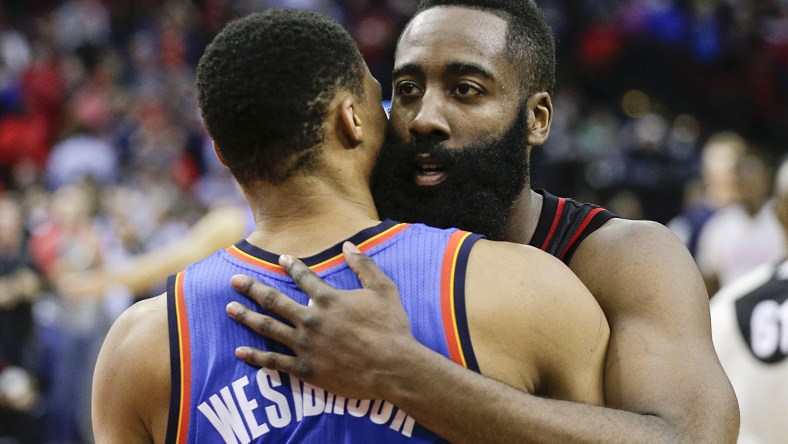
(733, 243)
(750, 331)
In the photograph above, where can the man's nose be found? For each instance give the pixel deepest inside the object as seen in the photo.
(430, 120)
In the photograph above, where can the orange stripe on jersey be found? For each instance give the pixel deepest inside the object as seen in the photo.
(249, 259)
(448, 272)
(185, 358)
(365, 246)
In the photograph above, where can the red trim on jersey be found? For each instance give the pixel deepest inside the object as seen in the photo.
(580, 229)
(365, 246)
(185, 358)
(558, 211)
(448, 272)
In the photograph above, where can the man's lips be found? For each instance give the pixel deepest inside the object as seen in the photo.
(427, 172)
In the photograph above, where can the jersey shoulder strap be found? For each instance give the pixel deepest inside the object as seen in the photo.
(564, 223)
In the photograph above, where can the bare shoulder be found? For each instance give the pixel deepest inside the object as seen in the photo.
(521, 260)
(131, 383)
(625, 230)
(138, 329)
(653, 295)
(640, 265)
(523, 273)
(628, 240)
(530, 316)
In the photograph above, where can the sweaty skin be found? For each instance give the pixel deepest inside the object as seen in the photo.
(663, 381)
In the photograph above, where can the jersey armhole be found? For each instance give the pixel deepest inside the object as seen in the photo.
(593, 220)
(455, 321)
(180, 365)
(552, 207)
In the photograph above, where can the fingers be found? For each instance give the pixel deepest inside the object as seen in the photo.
(368, 272)
(306, 280)
(264, 325)
(268, 298)
(273, 361)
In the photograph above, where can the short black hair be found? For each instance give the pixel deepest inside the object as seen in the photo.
(264, 84)
(530, 45)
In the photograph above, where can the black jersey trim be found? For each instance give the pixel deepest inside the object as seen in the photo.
(564, 223)
(175, 363)
(461, 315)
(325, 255)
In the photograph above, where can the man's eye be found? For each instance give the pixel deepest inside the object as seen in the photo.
(467, 90)
(407, 89)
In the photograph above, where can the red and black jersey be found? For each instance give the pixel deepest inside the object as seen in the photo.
(564, 223)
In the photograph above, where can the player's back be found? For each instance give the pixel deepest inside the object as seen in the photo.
(217, 397)
(532, 323)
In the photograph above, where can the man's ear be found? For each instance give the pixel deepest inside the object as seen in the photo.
(540, 109)
(218, 154)
(350, 121)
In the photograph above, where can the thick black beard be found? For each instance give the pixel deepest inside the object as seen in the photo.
(483, 180)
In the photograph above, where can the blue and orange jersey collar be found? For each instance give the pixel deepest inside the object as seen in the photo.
(365, 240)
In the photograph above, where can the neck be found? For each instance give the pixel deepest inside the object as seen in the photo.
(753, 208)
(306, 215)
(524, 218)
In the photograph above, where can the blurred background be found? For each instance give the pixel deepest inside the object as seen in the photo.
(659, 105)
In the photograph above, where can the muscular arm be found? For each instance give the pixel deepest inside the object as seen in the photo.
(662, 374)
(131, 383)
(544, 317)
(663, 381)
(217, 229)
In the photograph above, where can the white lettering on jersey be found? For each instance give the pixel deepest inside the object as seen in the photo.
(234, 417)
(769, 328)
(358, 407)
(403, 423)
(314, 400)
(339, 405)
(247, 408)
(298, 401)
(381, 411)
(329, 402)
(225, 417)
(278, 414)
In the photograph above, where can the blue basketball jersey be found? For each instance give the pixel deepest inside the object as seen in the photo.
(218, 398)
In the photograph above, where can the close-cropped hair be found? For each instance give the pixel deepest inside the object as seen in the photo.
(530, 45)
(264, 85)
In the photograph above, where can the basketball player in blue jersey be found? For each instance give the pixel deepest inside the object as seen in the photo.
(296, 116)
(472, 84)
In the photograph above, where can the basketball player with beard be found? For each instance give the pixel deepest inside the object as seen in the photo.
(485, 178)
(304, 162)
(472, 84)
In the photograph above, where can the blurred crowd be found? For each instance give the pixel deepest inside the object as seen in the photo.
(103, 156)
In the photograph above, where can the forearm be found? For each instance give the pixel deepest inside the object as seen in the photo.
(150, 270)
(464, 406)
(23, 285)
(216, 230)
